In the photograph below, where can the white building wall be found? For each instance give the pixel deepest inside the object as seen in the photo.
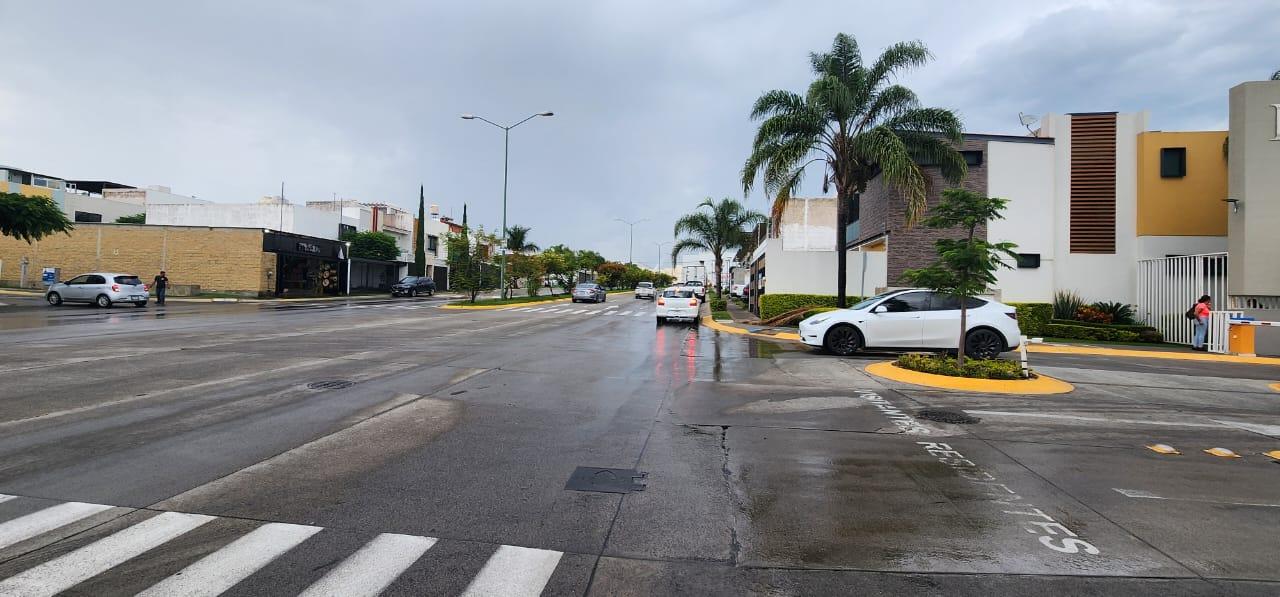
(814, 272)
(108, 209)
(288, 218)
(1024, 173)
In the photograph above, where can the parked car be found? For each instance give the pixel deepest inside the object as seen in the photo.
(699, 289)
(99, 288)
(413, 286)
(677, 302)
(736, 290)
(645, 290)
(915, 320)
(588, 291)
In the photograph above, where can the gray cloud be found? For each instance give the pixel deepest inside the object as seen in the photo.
(224, 100)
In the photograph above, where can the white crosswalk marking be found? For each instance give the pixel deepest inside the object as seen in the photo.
(62, 573)
(370, 570)
(43, 521)
(639, 313)
(580, 311)
(623, 313)
(523, 309)
(514, 572)
(222, 569)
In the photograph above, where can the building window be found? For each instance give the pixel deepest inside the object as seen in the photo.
(1173, 162)
(88, 218)
(433, 244)
(345, 229)
(972, 157)
(1028, 260)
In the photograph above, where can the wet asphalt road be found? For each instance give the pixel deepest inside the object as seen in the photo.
(771, 470)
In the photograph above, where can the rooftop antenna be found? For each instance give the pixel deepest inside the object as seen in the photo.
(1027, 120)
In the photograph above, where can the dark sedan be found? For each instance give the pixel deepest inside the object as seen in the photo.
(413, 286)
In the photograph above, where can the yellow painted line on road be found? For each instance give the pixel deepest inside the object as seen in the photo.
(1040, 385)
(720, 327)
(1152, 354)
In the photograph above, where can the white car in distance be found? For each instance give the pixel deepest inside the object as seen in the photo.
(915, 320)
(677, 302)
(645, 290)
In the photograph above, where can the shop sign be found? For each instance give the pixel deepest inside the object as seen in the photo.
(308, 248)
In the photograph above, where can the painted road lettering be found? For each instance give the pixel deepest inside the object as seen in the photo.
(903, 421)
(1051, 533)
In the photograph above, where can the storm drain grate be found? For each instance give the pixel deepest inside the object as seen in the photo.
(606, 480)
(942, 415)
(331, 384)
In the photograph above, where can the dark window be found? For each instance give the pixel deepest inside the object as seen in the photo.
(79, 280)
(345, 229)
(88, 218)
(972, 157)
(908, 302)
(433, 244)
(128, 280)
(1028, 260)
(95, 280)
(1173, 162)
(945, 302)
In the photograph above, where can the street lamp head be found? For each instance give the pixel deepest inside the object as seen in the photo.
(468, 116)
(546, 113)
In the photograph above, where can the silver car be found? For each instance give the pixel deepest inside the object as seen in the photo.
(588, 292)
(99, 288)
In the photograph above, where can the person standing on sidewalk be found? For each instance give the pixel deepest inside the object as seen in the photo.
(1201, 311)
(161, 286)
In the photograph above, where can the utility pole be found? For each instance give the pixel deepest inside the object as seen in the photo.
(631, 243)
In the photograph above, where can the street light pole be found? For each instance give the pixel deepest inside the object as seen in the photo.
(632, 242)
(660, 245)
(506, 158)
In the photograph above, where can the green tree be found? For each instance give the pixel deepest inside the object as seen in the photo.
(1275, 76)
(858, 124)
(373, 245)
(966, 266)
(468, 271)
(420, 240)
(611, 274)
(561, 264)
(518, 239)
(718, 228)
(133, 219)
(528, 268)
(31, 218)
(590, 260)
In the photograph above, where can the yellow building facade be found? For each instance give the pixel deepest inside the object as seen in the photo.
(1182, 182)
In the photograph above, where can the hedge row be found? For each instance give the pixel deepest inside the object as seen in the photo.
(975, 368)
(1033, 317)
(773, 305)
(1084, 332)
(1145, 333)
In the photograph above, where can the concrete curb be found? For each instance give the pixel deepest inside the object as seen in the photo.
(720, 327)
(1152, 354)
(1040, 385)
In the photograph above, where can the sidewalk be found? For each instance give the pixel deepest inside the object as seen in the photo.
(739, 314)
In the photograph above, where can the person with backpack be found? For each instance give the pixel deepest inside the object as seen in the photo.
(1200, 314)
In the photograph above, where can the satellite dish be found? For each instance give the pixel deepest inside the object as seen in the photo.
(1027, 120)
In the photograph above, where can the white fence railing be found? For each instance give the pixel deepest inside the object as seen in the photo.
(1168, 286)
(1219, 322)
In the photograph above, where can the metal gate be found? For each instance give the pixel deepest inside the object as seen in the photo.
(1168, 286)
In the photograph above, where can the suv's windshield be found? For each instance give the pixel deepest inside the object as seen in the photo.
(645, 285)
(408, 279)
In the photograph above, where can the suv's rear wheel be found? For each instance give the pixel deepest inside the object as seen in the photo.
(103, 301)
(983, 343)
(843, 340)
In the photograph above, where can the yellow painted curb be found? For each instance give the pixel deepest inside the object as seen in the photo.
(720, 327)
(1275, 387)
(1039, 385)
(1153, 354)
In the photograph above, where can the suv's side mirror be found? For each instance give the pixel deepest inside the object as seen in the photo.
(880, 309)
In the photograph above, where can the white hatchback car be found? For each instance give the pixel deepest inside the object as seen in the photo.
(677, 302)
(645, 290)
(915, 320)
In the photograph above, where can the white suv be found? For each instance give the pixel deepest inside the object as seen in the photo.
(645, 290)
(915, 320)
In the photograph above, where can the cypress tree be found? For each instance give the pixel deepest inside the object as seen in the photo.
(420, 247)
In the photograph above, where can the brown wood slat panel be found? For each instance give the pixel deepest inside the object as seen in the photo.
(1093, 183)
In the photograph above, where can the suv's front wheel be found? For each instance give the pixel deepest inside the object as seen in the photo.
(983, 343)
(843, 340)
(54, 299)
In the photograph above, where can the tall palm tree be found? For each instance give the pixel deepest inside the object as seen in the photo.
(517, 239)
(1275, 76)
(858, 124)
(719, 228)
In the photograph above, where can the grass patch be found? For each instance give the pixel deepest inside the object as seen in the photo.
(721, 315)
(974, 368)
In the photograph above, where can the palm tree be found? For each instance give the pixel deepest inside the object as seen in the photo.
(858, 124)
(517, 237)
(1275, 76)
(718, 229)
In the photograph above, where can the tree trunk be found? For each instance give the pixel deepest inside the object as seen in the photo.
(842, 256)
(964, 313)
(719, 266)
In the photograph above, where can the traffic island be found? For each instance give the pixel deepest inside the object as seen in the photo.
(1038, 384)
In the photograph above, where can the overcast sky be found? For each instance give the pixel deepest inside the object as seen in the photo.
(224, 100)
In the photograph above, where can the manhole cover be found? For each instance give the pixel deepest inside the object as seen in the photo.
(331, 384)
(606, 480)
(942, 415)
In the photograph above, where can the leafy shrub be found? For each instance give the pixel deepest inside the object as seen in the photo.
(1032, 317)
(1065, 304)
(721, 315)
(1145, 333)
(1089, 332)
(718, 304)
(975, 368)
(1092, 315)
(1119, 312)
(812, 312)
(773, 305)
